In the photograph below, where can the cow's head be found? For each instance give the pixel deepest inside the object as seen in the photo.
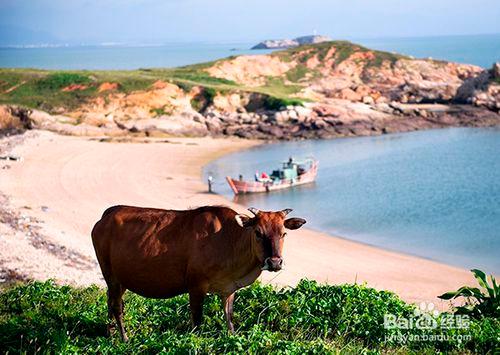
(268, 233)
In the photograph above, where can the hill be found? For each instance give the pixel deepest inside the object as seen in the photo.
(321, 90)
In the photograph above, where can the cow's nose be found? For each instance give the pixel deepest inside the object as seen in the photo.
(274, 263)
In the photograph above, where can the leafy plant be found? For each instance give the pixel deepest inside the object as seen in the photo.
(484, 302)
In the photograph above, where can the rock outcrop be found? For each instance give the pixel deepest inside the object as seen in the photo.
(482, 90)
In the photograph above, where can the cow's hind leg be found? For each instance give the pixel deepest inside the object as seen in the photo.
(227, 304)
(115, 307)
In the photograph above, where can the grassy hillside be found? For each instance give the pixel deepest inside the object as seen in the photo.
(343, 50)
(43, 89)
(308, 319)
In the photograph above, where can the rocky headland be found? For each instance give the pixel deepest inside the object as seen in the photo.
(330, 89)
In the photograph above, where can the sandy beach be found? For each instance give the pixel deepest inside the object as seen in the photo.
(59, 189)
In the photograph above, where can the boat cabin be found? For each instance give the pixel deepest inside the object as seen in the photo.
(291, 169)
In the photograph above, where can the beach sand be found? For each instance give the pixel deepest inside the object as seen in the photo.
(63, 184)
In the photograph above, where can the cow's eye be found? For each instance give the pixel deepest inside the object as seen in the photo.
(284, 235)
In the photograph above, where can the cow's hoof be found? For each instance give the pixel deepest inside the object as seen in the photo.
(109, 330)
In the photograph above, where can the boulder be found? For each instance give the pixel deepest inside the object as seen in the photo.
(281, 116)
(8, 121)
(292, 115)
(368, 100)
(214, 125)
(349, 94)
(170, 125)
(302, 111)
(319, 123)
(274, 131)
(496, 70)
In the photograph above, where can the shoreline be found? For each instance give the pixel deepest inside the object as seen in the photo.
(63, 193)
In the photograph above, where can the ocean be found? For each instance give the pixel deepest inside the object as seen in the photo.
(482, 50)
(434, 194)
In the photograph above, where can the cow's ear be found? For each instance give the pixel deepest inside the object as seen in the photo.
(243, 220)
(294, 223)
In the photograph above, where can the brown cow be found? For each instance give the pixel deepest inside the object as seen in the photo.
(164, 253)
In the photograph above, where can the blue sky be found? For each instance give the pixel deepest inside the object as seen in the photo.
(154, 21)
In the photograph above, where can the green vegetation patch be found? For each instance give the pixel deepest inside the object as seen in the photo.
(296, 74)
(57, 81)
(204, 99)
(276, 87)
(307, 319)
(276, 103)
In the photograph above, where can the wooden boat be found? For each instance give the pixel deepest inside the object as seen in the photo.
(292, 173)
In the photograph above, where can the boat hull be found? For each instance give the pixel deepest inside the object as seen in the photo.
(246, 187)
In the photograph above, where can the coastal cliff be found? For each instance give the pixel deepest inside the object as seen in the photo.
(323, 90)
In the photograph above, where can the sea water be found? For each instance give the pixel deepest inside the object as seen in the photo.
(481, 50)
(434, 194)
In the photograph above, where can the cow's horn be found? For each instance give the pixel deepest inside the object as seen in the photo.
(286, 211)
(254, 210)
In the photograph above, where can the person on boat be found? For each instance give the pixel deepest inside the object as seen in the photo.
(262, 178)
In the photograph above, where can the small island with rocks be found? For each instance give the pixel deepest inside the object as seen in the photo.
(289, 43)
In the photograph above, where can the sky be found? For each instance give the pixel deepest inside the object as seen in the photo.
(161, 21)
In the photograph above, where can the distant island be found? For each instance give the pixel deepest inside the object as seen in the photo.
(289, 43)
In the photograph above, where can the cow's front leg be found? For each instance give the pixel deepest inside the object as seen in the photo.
(227, 304)
(196, 298)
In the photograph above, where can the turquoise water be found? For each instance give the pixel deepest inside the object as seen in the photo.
(481, 50)
(434, 194)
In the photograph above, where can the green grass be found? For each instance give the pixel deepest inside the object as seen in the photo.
(277, 88)
(307, 319)
(297, 73)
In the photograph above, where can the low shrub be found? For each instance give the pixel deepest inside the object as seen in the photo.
(61, 80)
(204, 99)
(276, 103)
